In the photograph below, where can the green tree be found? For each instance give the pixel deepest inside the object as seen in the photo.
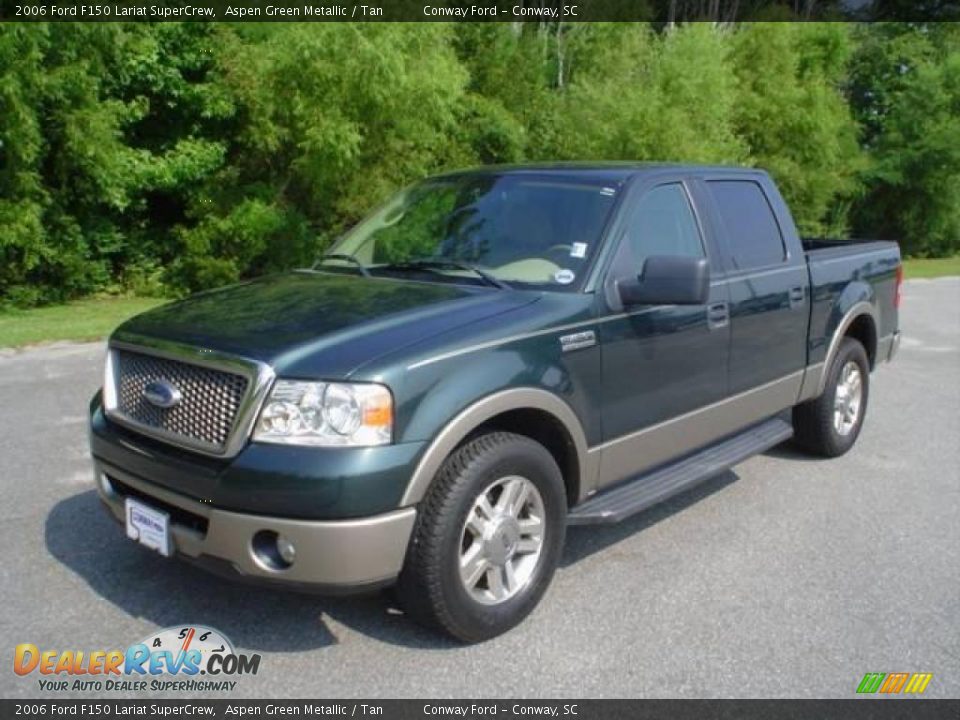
(643, 96)
(905, 88)
(172, 157)
(793, 117)
(103, 134)
(332, 118)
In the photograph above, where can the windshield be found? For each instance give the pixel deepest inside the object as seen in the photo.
(516, 229)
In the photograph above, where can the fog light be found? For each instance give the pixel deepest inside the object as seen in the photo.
(286, 549)
(273, 551)
(106, 487)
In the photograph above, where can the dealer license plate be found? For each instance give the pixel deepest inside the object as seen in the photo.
(148, 526)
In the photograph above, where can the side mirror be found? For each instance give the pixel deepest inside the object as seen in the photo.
(668, 280)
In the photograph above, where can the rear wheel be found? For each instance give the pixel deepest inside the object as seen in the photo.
(830, 424)
(488, 538)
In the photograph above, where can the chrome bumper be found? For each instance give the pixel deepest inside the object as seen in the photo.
(338, 555)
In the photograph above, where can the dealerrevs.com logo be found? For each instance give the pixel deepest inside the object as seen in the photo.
(187, 658)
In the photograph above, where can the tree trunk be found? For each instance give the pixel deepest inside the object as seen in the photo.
(560, 55)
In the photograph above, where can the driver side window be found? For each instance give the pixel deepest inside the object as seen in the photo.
(662, 223)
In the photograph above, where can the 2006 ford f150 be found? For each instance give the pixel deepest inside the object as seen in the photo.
(490, 357)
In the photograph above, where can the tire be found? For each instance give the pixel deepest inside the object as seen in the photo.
(431, 588)
(817, 427)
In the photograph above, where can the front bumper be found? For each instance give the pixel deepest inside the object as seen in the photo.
(334, 556)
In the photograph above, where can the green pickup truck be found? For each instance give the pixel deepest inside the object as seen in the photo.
(492, 356)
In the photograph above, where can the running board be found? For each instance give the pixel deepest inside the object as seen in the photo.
(644, 491)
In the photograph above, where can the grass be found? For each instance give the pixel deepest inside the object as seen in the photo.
(90, 319)
(931, 267)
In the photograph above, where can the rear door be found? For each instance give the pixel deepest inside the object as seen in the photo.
(767, 285)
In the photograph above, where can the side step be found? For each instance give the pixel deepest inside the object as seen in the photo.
(644, 491)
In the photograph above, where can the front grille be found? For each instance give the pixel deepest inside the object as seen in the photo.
(209, 401)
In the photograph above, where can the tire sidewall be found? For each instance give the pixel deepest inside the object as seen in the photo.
(849, 350)
(523, 457)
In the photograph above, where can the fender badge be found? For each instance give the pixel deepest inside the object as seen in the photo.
(577, 341)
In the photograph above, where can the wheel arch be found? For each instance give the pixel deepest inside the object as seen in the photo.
(859, 322)
(863, 328)
(534, 413)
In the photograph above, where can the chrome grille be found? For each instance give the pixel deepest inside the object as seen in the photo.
(210, 401)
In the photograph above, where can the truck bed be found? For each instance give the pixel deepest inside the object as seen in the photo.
(872, 264)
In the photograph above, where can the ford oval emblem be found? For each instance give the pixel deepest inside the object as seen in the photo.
(161, 393)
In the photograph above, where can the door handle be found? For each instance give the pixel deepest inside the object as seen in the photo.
(796, 296)
(718, 315)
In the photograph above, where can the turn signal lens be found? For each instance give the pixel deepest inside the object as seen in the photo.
(379, 415)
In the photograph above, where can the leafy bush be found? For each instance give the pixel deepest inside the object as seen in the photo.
(172, 157)
(905, 88)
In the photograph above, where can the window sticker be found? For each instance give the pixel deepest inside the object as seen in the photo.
(578, 250)
(608, 191)
(564, 276)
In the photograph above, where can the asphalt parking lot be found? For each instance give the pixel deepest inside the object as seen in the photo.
(788, 577)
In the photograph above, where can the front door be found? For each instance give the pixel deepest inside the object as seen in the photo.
(659, 362)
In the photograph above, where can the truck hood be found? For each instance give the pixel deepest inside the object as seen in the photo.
(311, 324)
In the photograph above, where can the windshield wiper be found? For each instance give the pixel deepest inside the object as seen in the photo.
(343, 256)
(430, 263)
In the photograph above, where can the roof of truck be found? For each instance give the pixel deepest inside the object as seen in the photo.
(610, 171)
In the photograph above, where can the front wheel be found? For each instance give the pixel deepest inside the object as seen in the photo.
(488, 538)
(830, 424)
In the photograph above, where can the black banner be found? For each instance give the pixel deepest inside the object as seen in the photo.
(862, 709)
(665, 11)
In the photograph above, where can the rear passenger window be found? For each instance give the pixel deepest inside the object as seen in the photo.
(749, 223)
(662, 223)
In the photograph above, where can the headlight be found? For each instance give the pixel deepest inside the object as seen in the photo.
(317, 413)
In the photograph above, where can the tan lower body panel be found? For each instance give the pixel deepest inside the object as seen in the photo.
(337, 552)
(631, 454)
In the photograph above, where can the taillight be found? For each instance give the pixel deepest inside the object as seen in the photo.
(898, 289)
